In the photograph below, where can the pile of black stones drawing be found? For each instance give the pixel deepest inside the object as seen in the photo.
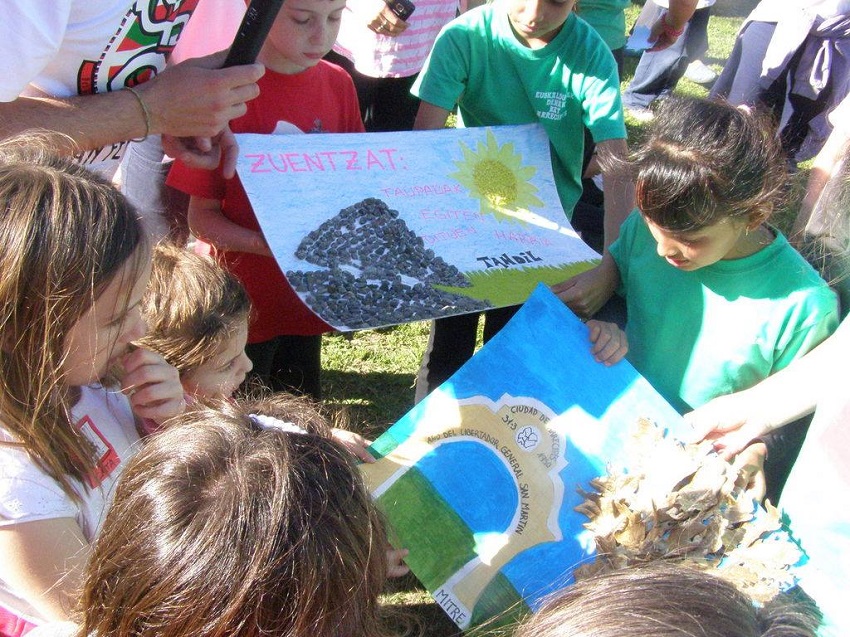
(378, 271)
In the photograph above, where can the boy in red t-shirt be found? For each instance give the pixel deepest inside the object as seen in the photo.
(299, 93)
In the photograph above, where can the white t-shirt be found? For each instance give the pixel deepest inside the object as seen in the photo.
(54, 629)
(817, 494)
(80, 47)
(27, 494)
(776, 10)
(701, 4)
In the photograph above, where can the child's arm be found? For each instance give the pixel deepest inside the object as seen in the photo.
(585, 293)
(609, 342)
(43, 562)
(430, 117)
(823, 168)
(671, 25)
(355, 443)
(734, 420)
(208, 223)
(618, 185)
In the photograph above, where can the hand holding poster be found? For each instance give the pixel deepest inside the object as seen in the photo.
(479, 480)
(378, 229)
(482, 480)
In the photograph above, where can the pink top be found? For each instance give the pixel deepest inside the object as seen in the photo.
(383, 56)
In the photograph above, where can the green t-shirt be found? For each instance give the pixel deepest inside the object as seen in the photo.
(608, 17)
(479, 64)
(722, 328)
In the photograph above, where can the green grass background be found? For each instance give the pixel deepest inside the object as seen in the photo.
(370, 374)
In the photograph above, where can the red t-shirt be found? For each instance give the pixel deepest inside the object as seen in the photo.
(321, 99)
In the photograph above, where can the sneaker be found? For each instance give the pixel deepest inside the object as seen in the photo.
(700, 73)
(640, 115)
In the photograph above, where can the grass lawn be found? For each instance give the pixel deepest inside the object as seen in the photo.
(370, 374)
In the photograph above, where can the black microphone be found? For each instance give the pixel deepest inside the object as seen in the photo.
(255, 26)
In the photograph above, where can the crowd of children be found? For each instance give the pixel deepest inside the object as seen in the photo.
(140, 494)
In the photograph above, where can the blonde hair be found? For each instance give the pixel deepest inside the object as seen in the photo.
(65, 233)
(222, 527)
(191, 306)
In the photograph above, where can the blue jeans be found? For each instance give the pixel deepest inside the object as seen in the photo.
(658, 72)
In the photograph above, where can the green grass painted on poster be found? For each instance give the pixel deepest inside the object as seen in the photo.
(421, 518)
(491, 284)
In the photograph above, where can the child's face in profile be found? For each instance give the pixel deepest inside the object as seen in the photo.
(537, 22)
(692, 250)
(221, 374)
(302, 34)
(103, 334)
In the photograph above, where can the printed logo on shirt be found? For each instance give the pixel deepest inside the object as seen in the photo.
(107, 458)
(551, 105)
(137, 51)
(132, 56)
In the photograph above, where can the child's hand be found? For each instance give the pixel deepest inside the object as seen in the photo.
(750, 463)
(395, 562)
(588, 291)
(152, 385)
(663, 34)
(724, 420)
(355, 443)
(609, 342)
(387, 23)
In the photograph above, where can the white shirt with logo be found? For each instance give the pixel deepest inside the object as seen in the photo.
(28, 494)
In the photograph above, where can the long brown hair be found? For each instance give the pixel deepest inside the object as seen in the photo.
(65, 233)
(222, 528)
(191, 306)
(666, 600)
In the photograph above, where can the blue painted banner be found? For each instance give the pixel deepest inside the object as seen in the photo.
(479, 481)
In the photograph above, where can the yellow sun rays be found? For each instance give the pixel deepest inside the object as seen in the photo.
(495, 176)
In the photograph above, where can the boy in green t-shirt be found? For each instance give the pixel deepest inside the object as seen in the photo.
(519, 62)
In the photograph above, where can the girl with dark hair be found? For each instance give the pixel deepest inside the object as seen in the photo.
(717, 299)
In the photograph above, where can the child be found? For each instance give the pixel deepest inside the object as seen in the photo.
(299, 91)
(717, 299)
(517, 62)
(239, 520)
(75, 265)
(817, 380)
(197, 316)
(665, 600)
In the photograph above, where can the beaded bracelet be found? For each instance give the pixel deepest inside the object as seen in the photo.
(669, 31)
(145, 111)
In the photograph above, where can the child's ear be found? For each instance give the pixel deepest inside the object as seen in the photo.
(758, 217)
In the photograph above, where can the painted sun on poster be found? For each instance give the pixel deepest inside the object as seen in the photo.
(379, 229)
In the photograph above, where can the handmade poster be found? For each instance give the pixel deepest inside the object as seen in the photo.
(377, 229)
(479, 481)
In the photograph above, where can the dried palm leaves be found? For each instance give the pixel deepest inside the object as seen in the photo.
(681, 502)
